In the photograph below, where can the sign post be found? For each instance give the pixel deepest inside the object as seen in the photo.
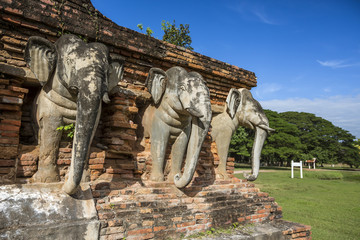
(296, 164)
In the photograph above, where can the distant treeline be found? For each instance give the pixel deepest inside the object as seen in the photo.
(299, 137)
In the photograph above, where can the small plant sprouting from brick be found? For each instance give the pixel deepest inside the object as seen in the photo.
(149, 32)
(68, 129)
(179, 36)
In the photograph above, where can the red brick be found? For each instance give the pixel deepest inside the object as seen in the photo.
(10, 134)
(27, 163)
(106, 215)
(28, 157)
(5, 170)
(63, 161)
(7, 163)
(115, 223)
(97, 161)
(12, 141)
(14, 11)
(147, 223)
(139, 231)
(11, 122)
(7, 1)
(141, 237)
(9, 107)
(262, 211)
(185, 224)
(5, 127)
(49, 2)
(18, 89)
(65, 150)
(159, 228)
(11, 19)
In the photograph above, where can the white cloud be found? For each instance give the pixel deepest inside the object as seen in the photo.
(262, 16)
(266, 89)
(342, 111)
(252, 11)
(337, 63)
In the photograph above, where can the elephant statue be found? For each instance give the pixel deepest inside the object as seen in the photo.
(241, 109)
(75, 77)
(181, 109)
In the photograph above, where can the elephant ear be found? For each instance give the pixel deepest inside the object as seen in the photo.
(116, 72)
(40, 56)
(156, 83)
(233, 101)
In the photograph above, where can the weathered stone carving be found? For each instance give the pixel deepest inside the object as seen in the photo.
(76, 78)
(181, 109)
(44, 212)
(241, 109)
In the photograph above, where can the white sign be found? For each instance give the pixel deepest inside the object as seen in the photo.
(296, 164)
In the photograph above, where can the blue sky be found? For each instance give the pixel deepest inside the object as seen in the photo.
(305, 54)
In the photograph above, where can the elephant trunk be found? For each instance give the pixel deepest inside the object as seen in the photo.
(199, 130)
(260, 136)
(87, 119)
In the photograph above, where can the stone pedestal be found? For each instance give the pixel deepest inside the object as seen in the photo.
(43, 211)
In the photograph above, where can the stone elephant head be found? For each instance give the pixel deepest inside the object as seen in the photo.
(241, 110)
(181, 109)
(76, 79)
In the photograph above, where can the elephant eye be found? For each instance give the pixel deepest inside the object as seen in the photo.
(182, 88)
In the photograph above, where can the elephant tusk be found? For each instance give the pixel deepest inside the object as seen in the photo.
(106, 98)
(266, 128)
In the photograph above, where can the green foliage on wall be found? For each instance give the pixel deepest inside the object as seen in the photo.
(179, 36)
(69, 130)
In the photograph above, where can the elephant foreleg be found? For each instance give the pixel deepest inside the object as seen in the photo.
(222, 144)
(49, 148)
(159, 139)
(177, 153)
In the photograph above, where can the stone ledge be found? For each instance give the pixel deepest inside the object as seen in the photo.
(33, 210)
(275, 230)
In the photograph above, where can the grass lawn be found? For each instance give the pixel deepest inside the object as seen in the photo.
(331, 207)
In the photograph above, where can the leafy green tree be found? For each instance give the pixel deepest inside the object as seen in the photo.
(280, 147)
(299, 136)
(284, 144)
(177, 36)
(322, 140)
(239, 145)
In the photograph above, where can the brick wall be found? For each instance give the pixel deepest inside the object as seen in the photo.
(11, 100)
(128, 205)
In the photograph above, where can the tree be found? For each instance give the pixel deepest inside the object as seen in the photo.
(284, 144)
(177, 36)
(172, 34)
(322, 140)
(299, 136)
(239, 145)
(280, 147)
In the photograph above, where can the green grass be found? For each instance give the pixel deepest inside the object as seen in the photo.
(331, 207)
